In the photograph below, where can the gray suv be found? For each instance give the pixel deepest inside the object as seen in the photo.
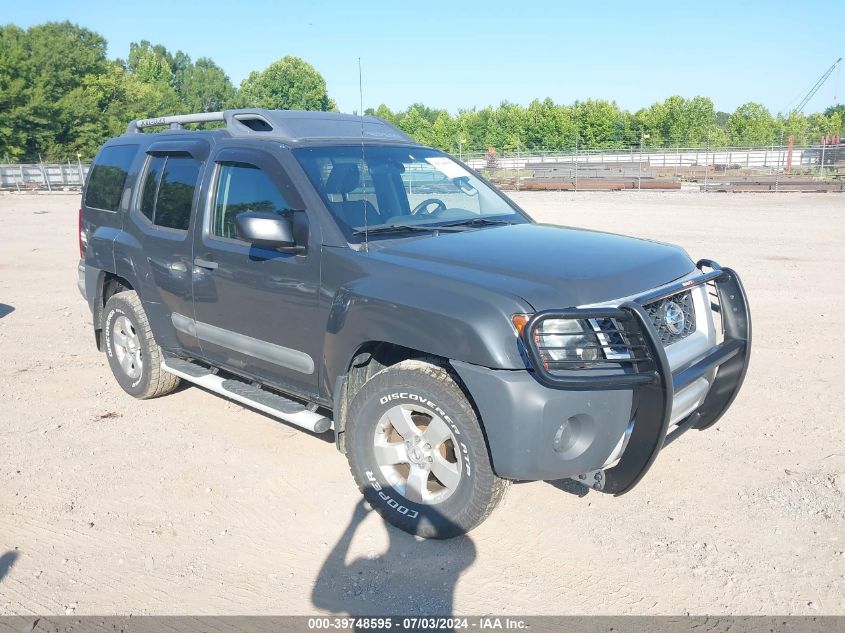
(329, 271)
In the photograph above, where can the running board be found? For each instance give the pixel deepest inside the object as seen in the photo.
(250, 395)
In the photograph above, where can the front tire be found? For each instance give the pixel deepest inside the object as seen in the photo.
(134, 356)
(417, 452)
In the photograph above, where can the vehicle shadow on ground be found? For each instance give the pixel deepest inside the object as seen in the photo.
(413, 577)
(7, 560)
(6, 309)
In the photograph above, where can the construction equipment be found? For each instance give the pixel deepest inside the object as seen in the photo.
(816, 86)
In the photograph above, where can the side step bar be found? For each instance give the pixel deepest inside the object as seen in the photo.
(250, 395)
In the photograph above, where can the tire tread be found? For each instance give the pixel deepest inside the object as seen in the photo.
(421, 370)
(161, 382)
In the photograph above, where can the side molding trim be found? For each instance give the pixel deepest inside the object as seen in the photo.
(270, 352)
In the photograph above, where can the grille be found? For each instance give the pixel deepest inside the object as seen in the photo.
(664, 315)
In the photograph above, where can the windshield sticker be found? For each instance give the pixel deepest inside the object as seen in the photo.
(446, 166)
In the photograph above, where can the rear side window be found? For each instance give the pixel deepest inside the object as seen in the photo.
(108, 177)
(168, 194)
(242, 187)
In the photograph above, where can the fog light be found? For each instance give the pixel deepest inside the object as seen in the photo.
(564, 437)
(574, 436)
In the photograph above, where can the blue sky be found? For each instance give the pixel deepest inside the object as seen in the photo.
(464, 54)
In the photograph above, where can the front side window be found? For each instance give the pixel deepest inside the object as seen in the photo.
(242, 187)
(168, 194)
(382, 186)
(108, 177)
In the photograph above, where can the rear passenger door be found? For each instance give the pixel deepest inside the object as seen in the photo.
(256, 308)
(161, 218)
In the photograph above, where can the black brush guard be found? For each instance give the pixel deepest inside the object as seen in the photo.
(643, 367)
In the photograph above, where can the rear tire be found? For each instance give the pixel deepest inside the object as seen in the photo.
(417, 452)
(134, 356)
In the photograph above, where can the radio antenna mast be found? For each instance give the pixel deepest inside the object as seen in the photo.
(361, 171)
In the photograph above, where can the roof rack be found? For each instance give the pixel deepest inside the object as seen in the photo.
(284, 125)
(177, 121)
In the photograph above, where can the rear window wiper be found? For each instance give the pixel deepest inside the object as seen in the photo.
(395, 228)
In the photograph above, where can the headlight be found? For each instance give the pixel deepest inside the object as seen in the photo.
(567, 340)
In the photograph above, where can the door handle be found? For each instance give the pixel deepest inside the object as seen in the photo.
(204, 263)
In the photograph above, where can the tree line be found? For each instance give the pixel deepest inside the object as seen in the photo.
(601, 124)
(61, 97)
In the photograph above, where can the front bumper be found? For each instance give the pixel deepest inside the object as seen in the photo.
(540, 425)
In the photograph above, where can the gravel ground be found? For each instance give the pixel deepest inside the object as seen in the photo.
(192, 505)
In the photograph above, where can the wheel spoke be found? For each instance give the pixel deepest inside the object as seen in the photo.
(446, 472)
(391, 453)
(437, 432)
(126, 362)
(400, 418)
(416, 488)
(119, 337)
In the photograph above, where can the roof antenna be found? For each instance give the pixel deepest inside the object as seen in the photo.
(361, 171)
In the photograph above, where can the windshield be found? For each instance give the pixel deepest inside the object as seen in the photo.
(379, 187)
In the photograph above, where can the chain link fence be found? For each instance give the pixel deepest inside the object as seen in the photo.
(774, 168)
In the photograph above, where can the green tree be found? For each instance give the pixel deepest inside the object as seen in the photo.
(598, 122)
(38, 67)
(472, 126)
(548, 125)
(680, 122)
(382, 112)
(148, 61)
(105, 104)
(287, 84)
(14, 96)
(839, 107)
(429, 114)
(444, 132)
(416, 125)
(61, 55)
(204, 87)
(752, 124)
(506, 127)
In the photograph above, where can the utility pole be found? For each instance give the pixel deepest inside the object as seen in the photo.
(821, 167)
(643, 136)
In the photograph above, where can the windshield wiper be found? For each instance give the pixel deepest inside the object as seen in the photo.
(477, 222)
(395, 228)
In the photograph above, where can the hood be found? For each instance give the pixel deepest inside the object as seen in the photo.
(550, 267)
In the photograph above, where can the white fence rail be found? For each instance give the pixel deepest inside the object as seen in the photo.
(765, 158)
(42, 177)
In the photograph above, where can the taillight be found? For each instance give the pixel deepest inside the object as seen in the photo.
(83, 239)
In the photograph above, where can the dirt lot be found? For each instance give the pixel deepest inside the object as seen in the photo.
(192, 505)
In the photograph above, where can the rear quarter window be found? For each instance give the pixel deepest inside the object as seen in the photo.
(108, 177)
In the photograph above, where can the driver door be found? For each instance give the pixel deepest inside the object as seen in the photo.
(255, 309)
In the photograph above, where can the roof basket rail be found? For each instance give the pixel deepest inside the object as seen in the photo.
(175, 122)
(283, 125)
(242, 119)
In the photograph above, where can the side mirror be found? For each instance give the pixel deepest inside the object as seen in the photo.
(267, 230)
